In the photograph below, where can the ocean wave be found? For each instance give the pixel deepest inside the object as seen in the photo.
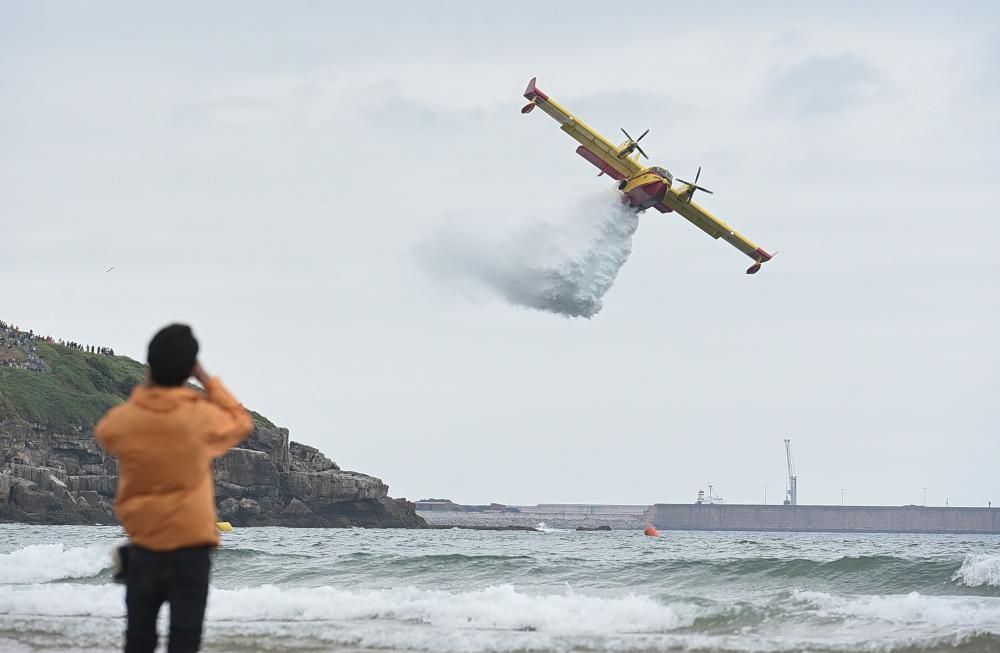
(974, 614)
(499, 607)
(459, 557)
(979, 570)
(41, 563)
(63, 600)
(502, 619)
(243, 553)
(406, 618)
(813, 568)
(977, 643)
(881, 574)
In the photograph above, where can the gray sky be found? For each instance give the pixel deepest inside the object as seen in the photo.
(269, 172)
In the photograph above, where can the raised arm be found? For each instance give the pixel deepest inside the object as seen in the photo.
(231, 423)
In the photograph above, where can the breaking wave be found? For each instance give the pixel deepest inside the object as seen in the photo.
(877, 573)
(470, 592)
(874, 573)
(492, 619)
(564, 265)
(501, 618)
(41, 563)
(973, 613)
(979, 570)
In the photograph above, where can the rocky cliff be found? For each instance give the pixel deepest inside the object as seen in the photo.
(53, 471)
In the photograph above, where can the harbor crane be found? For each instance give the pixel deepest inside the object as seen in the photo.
(792, 491)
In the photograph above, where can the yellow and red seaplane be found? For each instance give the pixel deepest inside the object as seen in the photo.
(642, 187)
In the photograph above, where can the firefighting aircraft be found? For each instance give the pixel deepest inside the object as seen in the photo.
(642, 187)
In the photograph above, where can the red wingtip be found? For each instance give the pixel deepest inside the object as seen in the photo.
(764, 257)
(532, 92)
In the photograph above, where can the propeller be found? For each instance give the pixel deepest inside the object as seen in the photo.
(634, 142)
(694, 185)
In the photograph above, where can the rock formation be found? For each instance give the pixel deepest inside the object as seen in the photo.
(57, 473)
(59, 478)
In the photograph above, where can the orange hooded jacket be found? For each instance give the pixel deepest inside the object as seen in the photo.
(165, 440)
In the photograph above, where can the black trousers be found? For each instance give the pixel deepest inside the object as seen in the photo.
(177, 577)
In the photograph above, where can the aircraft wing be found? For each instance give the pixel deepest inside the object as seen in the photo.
(593, 147)
(677, 199)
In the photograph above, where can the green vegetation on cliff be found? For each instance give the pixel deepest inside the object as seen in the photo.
(75, 392)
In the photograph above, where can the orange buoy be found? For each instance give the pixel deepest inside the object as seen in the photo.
(651, 531)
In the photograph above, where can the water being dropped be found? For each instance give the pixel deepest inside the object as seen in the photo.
(564, 264)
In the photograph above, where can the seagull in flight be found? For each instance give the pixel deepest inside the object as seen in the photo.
(109, 269)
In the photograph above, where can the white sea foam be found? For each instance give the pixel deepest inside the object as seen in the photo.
(322, 612)
(564, 264)
(40, 563)
(499, 619)
(978, 613)
(978, 570)
(63, 600)
(500, 607)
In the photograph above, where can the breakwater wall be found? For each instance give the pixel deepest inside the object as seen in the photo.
(850, 519)
(554, 515)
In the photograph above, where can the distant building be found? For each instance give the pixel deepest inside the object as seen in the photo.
(712, 497)
(437, 504)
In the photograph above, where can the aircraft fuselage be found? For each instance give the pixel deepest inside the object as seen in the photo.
(649, 190)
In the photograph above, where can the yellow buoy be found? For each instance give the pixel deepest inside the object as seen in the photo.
(224, 526)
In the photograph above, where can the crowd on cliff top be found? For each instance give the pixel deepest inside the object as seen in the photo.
(12, 337)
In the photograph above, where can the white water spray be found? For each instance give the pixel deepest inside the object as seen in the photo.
(564, 265)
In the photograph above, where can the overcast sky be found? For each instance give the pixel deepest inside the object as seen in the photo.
(270, 172)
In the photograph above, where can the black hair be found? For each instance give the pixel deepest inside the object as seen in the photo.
(172, 354)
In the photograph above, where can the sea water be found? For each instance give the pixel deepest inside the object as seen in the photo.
(486, 591)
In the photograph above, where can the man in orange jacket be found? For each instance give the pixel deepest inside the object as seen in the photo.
(165, 438)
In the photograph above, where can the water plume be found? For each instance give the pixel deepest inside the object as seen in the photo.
(564, 264)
